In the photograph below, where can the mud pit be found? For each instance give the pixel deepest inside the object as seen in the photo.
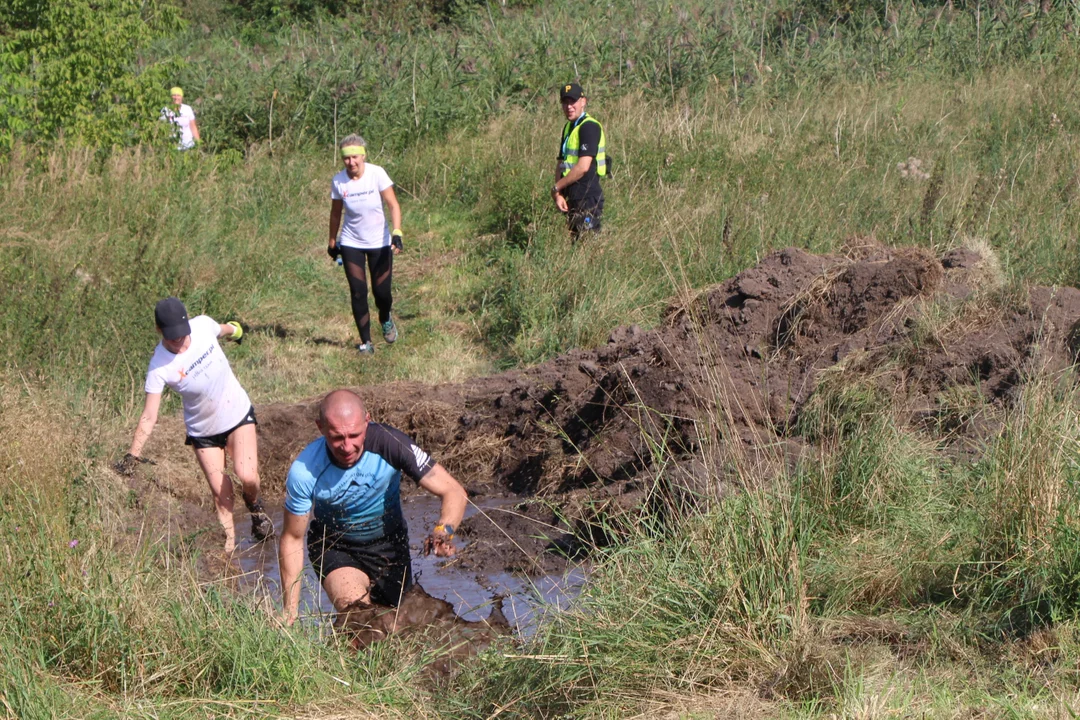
(471, 596)
(717, 388)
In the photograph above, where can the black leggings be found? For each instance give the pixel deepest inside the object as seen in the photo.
(381, 262)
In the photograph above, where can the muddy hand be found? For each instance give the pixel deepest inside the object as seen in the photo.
(440, 544)
(126, 466)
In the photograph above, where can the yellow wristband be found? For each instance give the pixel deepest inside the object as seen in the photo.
(396, 231)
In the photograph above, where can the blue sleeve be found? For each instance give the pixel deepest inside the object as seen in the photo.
(300, 485)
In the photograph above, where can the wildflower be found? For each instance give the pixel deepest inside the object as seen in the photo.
(73, 544)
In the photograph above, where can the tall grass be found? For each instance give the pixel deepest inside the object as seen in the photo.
(881, 575)
(1026, 564)
(703, 186)
(401, 77)
(104, 612)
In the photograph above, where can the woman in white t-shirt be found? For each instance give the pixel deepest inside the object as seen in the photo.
(357, 195)
(218, 414)
(183, 117)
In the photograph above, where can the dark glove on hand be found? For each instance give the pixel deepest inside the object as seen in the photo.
(395, 241)
(333, 251)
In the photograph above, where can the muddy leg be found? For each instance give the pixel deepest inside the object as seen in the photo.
(212, 462)
(347, 585)
(243, 447)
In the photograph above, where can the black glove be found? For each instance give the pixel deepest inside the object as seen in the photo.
(395, 240)
(333, 251)
(126, 466)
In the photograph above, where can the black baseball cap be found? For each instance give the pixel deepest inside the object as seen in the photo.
(171, 318)
(572, 92)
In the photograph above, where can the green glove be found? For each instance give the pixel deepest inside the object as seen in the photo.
(238, 332)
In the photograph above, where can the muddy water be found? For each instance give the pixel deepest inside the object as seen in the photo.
(526, 600)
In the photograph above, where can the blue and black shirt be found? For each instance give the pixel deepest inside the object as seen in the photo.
(361, 503)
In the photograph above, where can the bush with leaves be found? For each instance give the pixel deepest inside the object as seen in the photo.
(70, 68)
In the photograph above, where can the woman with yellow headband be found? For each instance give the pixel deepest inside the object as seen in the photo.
(358, 194)
(183, 117)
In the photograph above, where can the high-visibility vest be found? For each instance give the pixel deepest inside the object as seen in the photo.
(572, 142)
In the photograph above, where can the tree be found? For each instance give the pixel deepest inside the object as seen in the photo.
(71, 68)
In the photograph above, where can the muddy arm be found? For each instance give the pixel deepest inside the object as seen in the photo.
(442, 484)
(291, 563)
(147, 421)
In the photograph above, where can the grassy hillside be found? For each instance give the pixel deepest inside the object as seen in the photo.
(737, 128)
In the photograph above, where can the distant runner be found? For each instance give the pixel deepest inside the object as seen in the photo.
(359, 192)
(582, 162)
(183, 117)
(348, 482)
(217, 412)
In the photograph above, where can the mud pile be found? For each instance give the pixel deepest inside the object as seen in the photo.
(740, 358)
(718, 386)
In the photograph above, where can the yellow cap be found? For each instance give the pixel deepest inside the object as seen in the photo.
(177, 91)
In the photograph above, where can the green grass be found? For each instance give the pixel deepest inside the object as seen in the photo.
(106, 615)
(882, 577)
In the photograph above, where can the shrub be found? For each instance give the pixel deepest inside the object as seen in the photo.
(70, 68)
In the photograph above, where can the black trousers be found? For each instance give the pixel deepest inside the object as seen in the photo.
(381, 264)
(583, 215)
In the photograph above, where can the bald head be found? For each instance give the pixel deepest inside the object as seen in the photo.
(340, 404)
(343, 422)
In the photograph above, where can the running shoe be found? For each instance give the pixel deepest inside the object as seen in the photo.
(366, 348)
(262, 527)
(389, 331)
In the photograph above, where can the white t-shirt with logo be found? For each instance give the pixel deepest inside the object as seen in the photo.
(182, 120)
(363, 222)
(213, 399)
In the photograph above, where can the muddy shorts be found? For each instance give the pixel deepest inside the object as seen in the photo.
(221, 439)
(385, 561)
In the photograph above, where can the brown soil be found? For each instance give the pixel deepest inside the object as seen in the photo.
(717, 388)
(366, 623)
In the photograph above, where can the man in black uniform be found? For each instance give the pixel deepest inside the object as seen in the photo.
(582, 162)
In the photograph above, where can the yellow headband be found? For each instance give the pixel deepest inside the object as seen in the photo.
(177, 91)
(352, 150)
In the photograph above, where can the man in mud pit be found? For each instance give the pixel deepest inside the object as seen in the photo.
(348, 483)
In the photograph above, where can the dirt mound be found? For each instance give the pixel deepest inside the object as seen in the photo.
(718, 386)
(742, 357)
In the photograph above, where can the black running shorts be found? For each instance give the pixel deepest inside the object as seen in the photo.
(221, 439)
(385, 561)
